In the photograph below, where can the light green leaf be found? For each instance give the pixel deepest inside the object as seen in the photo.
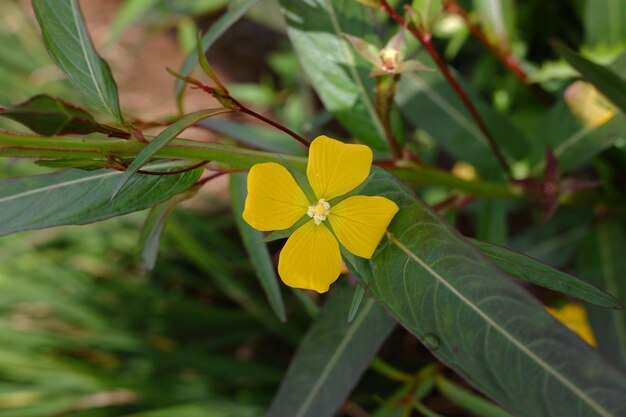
(160, 141)
(479, 322)
(331, 357)
(528, 269)
(68, 43)
(357, 298)
(604, 24)
(79, 197)
(256, 247)
(601, 259)
(150, 237)
(217, 29)
(338, 75)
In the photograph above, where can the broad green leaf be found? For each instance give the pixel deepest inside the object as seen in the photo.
(68, 43)
(601, 259)
(150, 237)
(468, 400)
(160, 141)
(331, 357)
(604, 24)
(429, 103)
(528, 269)
(603, 78)
(79, 197)
(257, 249)
(217, 29)
(338, 75)
(50, 116)
(479, 322)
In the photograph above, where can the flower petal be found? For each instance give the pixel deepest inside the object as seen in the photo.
(275, 201)
(310, 258)
(359, 222)
(336, 168)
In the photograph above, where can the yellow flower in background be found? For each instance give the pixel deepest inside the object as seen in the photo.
(574, 317)
(311, 258)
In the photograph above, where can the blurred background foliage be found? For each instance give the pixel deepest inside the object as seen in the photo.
(83, 333)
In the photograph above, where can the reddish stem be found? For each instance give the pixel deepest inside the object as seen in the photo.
(503, 55)
(274, 124)
(209, 178)
(175, 172)
(426, 41)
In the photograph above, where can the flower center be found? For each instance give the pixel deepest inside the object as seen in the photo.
(389, 57)
(319, 212)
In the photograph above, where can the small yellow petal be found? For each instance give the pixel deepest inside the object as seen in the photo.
(336, 168)
(359, 222)
(275, 201)
(310, 259)
(574, 316)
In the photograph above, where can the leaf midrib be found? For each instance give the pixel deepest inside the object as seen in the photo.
(577, 391)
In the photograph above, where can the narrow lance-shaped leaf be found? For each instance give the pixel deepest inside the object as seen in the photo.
(604, 79)
(479, 322)
(256, 248)
(70, 47)
(601, 259)
(79, 197)
(51, 116)
(160, 141)
(152, 229)
(217, 29)
(331, 357)
(528, 269)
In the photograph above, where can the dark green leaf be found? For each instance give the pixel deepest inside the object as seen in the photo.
(429, 103)
(256, 247)
(531, 270)
(338, 75)
(68, 43)
(479, 322)
(50, 116)
(79, 197)
(603, 78)
(217, 29)
(160, 141)
(601, 259)
(152, 229)
(331, 358)
(357, 298)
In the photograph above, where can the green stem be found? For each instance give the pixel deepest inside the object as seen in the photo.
(391, 372)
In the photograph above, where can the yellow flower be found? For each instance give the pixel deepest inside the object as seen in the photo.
(311, 258)
(573, 316)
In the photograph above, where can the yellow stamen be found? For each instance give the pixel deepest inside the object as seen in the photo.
(319, 212)
(389, 57)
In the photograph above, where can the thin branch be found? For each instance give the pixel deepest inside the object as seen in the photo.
(209, 178)
(274, 124)
(426, 41)
(503, 55)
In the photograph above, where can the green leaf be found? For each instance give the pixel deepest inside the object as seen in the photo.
(331, 357)
(79, 197)
(478, 322)
(531, 270)
(429, 103)
(217, 29)
(357, 298)
(604, 24)
(604, 79)
(160, 141)
(130, 12)
(601, 258)
(338, 75)
(256, 247)
(51, 116)
(68, 43)
(468, 400)
(150, 237)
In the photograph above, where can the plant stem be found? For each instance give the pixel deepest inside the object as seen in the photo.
(274, 124)
(426, 41)
(502, 54)
(385, 91)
